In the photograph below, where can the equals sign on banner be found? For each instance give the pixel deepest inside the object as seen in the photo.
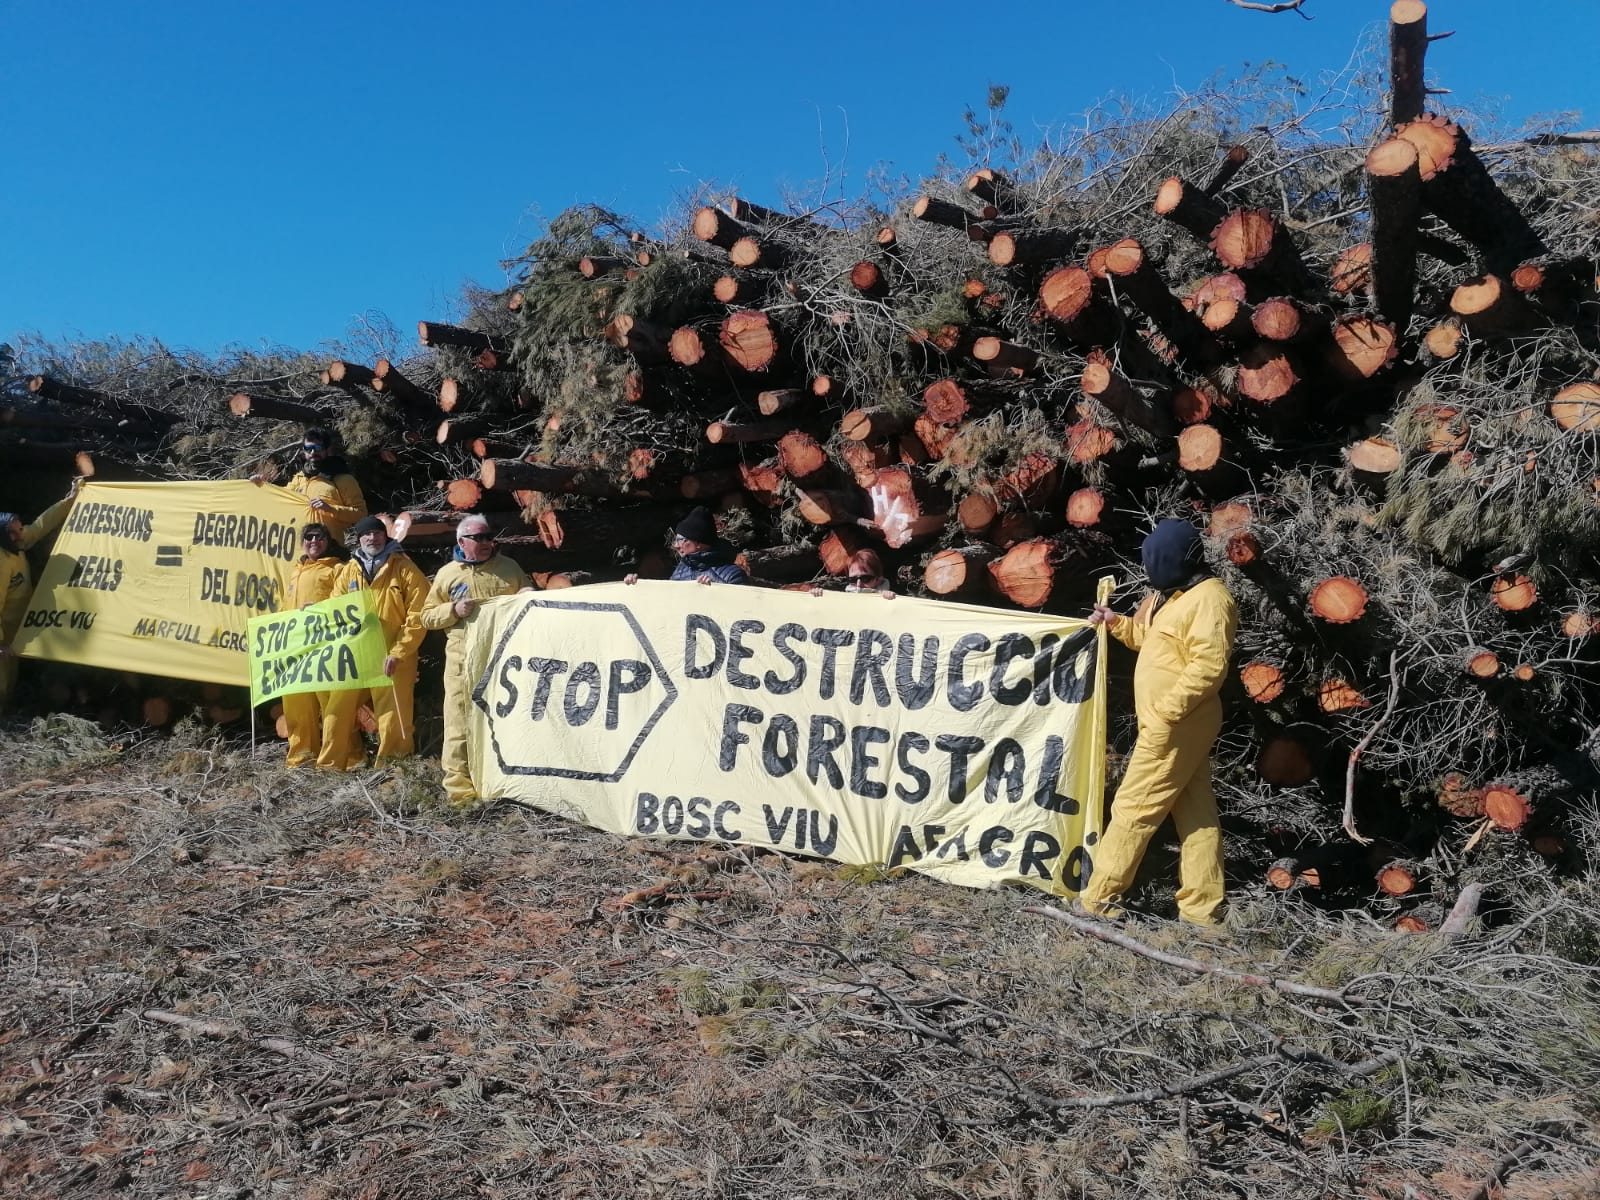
(169, 556)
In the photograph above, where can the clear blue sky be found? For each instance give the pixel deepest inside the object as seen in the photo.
(221, 172)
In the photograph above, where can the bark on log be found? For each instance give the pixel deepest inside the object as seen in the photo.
(831, 506)
(435, 333)
(717, 227)
(455, 430)
(124, 410)
(862, 423)
(779, 400)
(1243, 549)
(645, 340)
(751, 253)
(992, 187)
(1104, 383)
(1128, 267)
(1394, 188)
(868, 279)
(739, 433)
(594, 266)
(494, 360)
(1490, 307)
(1286, 760)
(1189, 207)
(781, 564)
(388, 381)
(1006, 356)
(941, 212)
(704, 485)
(1033, 248)
(1408, 43)
(27, 418)
(349, 374)
(1458, 189)
(601, 532)
(1232, 163)
(242, 404)
(515, 475)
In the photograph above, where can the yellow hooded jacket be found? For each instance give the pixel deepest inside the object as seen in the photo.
(313, 580)
(16, 577)
(1184, 646)
(399, 590)
(341, 493)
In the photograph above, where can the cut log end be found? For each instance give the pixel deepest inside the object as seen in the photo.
(1339, 600)
(1514, 593)
(1337, 695)
(1457, 796)
(1398, 878)
(1576, 408)
(1482, 663)
(1263, 681)
(1506, 806)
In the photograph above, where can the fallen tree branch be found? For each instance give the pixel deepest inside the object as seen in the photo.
(228, 1031)
(1350, 772)
(1196, 1083)
(1463, 911)
(1504, 1167)
(1117, 938)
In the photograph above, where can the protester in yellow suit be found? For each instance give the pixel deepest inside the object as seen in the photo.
(477, 574)
(332, 494)
(313, 580)
(16, 579)
(398, 589)
(1184, 637)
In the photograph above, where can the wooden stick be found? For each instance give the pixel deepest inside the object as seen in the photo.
(1350, 773)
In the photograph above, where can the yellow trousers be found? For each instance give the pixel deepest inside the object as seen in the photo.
(302, 712)
(458, 786)
(392, 708)
(1169, 774)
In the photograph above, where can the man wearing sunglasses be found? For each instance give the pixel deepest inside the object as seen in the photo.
(312, 580)
(332, 493)
(398, 589)
(477, 573)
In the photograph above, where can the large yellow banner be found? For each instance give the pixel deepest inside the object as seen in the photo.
(161, 577)
(964, 742)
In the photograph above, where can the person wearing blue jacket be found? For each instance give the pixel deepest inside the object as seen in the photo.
(702, 554)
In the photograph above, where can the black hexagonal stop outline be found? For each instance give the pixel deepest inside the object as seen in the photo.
(644, 730)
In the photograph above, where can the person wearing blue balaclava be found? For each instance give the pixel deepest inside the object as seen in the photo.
(1183, 634)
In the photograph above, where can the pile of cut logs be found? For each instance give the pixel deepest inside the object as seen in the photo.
(1371, 381)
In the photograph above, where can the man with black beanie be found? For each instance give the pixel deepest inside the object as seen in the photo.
(1183, 634)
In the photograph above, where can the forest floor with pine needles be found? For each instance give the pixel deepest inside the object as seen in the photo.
(222, 979)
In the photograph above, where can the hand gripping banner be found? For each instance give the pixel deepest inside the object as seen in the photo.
(161, 577)
(964, 742)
